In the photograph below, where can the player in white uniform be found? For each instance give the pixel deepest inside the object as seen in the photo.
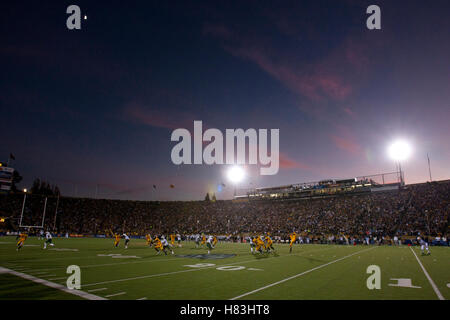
(209, 244)
(179, 240)
(166, 245)
(252, 244)
(49, 241)
(197, 240)
(41, 235)
(423, 245)
(127, 239)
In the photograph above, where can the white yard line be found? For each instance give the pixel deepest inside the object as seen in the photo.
(58, 278)
(299, 275)
(144, 298)
(99, 289)
(114, 264)
(193, 270)
(52, 284)
(115, 294)
(435, 288)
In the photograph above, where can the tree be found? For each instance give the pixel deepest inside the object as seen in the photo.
(16, 179)
(207, 197)
(35, 188)
(44, 188)
(213, 199)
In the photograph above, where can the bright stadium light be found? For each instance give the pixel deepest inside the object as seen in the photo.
(399, 150)
(236, 174)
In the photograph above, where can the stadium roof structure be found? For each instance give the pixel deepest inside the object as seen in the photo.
(327, 187)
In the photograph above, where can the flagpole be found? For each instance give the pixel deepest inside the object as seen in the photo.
(11, 157)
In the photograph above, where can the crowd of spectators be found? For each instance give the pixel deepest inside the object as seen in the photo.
(413, 210)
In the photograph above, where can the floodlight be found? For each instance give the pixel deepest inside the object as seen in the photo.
(236, 174)
(399, 150)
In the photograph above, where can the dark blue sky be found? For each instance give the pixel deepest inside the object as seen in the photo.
(97, 106)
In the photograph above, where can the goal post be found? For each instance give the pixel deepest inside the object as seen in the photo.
(35, 208)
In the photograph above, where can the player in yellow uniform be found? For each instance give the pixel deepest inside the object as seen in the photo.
(259, 244)
(172, 239)
(269, 244)
(293, 237)
(22, 237)
(203, 240)
(214, 241)
(157, 245)
(116, 239)
(148, 237)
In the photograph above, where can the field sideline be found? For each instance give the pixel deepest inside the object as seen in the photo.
(310, 272)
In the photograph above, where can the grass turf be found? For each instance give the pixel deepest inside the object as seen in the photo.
(310, 272)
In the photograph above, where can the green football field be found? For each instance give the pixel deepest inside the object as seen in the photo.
(230, 272)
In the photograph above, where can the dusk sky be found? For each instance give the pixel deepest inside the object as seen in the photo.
(97, 106)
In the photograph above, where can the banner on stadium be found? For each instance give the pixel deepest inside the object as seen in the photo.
(385, 188)
(6, 178)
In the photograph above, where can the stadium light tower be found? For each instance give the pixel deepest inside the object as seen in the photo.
(398, 151)
(236, 174)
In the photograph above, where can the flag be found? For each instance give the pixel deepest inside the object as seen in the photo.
(11, 156)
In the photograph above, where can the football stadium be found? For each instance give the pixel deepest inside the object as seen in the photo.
(251, 247)
(216, 159)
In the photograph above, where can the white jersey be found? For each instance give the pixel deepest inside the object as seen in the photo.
(178, 237)
(197, 238)
(48, 235)
(164, 242)
(210, 240)
(126, 237)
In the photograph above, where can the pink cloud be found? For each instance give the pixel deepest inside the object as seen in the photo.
(346, 144)
(349, 112)
(287, 163)
(316, 85)
(332, 77)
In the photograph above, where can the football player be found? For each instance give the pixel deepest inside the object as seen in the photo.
(22, 237)
(293, 237)
(423, 245)
(209, 244)
(48, 240)
(269, 244)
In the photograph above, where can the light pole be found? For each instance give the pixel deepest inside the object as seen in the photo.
(236, 174)
(398, 151)
(23, 206)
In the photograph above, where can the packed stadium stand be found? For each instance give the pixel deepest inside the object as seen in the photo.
(413, 209)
